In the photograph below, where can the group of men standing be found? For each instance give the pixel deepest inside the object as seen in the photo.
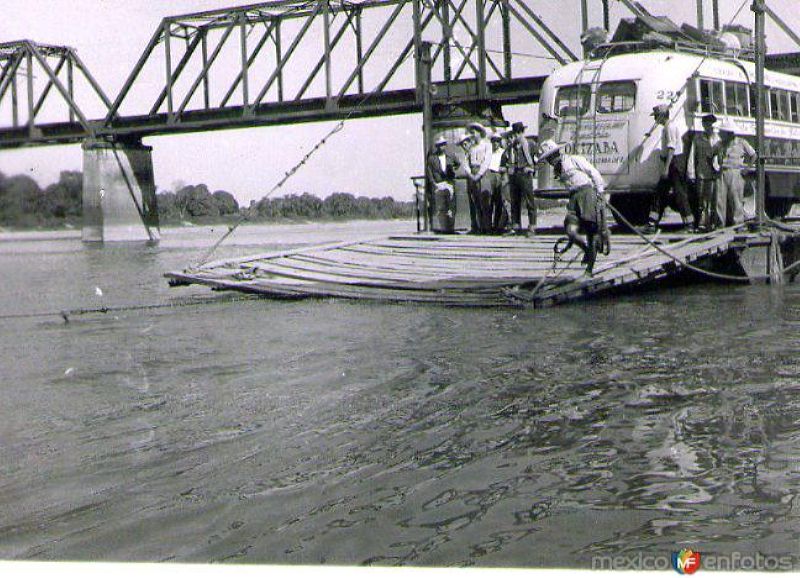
(706, 186)
(499, 168)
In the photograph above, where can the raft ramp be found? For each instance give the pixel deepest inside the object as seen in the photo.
(456, 270)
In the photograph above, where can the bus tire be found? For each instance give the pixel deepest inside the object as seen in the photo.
(634, 207)
(778, 207)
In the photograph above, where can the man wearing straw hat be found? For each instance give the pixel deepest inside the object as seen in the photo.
(585, 209)
(671, 188)
(440, 170)
(734, 155)
(480, 187)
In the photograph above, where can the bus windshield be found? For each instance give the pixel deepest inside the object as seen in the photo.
(618, 96)
(573, 100)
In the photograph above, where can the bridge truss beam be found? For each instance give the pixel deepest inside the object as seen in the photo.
(22, 64)
(286, 61)
(249, 65)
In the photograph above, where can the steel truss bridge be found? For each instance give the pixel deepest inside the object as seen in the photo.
(249, 66)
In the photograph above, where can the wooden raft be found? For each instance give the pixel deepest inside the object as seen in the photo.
(456, 270)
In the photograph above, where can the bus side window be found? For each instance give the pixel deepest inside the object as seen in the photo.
(742, 102)
(777, 102)
(768, 104)
(794, 101)
(736, 99)
(711, 96)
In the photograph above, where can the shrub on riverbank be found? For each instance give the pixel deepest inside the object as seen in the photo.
(24, 204)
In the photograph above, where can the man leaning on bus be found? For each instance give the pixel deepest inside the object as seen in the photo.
(671, 187)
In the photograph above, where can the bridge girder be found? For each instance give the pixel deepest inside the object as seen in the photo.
(364, 64)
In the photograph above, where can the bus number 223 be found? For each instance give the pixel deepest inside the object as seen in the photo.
(670, 95)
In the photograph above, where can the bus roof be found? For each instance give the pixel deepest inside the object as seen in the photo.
(676, 65)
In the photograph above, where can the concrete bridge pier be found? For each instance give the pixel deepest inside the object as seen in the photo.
(119, 193)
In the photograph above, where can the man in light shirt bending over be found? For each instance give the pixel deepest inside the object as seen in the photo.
(586, 207)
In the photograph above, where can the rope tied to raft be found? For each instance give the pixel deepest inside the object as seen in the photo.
(558, 255)
(67, 314)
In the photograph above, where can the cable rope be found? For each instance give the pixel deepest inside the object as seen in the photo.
(66, 314)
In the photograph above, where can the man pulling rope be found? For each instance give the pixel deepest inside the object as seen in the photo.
(586, 213)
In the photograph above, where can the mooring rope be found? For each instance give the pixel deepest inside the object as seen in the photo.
(66, 314)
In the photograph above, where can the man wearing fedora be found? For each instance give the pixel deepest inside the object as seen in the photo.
(466, 145)
(440, 168)
(498, 173)
(703, 169)
(735, 156)
(586, 206)
(671, 188)
(479, 160)
(521, 170)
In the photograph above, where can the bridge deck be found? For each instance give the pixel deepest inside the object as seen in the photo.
(453, 269)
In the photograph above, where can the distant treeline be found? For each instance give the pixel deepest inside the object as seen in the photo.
(24, 204)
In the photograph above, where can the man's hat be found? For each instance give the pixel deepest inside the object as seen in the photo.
(518, 127)
(440, 141)
(660, 109)
(496, 136)
(479, 127)
(548, 148)
(727, 126)
(709, 118)
(465, 138)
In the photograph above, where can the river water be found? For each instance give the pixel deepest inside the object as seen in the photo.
(359, 433)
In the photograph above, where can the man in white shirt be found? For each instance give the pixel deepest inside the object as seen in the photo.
(480, 186)
(671, 188)
(586, 206)
(498, 174)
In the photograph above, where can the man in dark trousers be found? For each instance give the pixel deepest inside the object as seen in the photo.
(585, 209)
(671, 188)
(479, 159)
(521, 169)
(440, 169)
(466, 145)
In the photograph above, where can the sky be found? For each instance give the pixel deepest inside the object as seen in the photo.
(374, 157)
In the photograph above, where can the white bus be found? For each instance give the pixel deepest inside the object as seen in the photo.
(601, 107)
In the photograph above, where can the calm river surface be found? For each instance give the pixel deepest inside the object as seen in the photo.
(348, 433)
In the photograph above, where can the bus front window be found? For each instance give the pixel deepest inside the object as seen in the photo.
(573, 100)
(616, 96)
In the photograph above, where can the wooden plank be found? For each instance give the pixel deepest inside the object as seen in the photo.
(370, 258)
(642, 267)
(285, 252)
